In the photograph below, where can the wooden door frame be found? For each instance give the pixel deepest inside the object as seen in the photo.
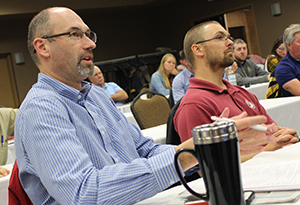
(7, 57)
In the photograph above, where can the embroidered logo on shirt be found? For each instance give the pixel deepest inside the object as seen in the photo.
(249, 69)
(250, 104)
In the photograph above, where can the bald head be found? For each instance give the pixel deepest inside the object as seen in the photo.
(97, 78)
(44, 23)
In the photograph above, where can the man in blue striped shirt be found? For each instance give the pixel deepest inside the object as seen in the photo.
(73, 145)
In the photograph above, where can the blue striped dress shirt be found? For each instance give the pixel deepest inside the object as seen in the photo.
(76, 147)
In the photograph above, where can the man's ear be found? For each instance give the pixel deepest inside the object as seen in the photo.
(41, 47)
(198, 50)
(288, 45)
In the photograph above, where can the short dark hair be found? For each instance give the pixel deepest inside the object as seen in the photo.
(194, 35)
(238, 40)
(182, 55)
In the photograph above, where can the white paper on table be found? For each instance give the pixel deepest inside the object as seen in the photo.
(272, 176)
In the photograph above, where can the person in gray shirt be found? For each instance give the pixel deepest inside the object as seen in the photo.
(247, 72)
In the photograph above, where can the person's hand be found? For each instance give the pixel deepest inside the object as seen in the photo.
(283, 137)
(173, 71)
(251, 141)
(3, 172)
(234, 66)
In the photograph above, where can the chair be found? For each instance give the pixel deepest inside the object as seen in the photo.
(171, 99)
(174, 139)
(150, 112)
(172, 135)
(144, 88)
(16, 193)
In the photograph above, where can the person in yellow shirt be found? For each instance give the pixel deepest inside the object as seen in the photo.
(277, 53)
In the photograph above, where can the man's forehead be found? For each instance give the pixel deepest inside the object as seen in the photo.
(240, 45)
(214, 29)
(64, 18)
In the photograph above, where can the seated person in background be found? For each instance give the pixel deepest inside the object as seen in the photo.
(181, 81)
(4, 172)
(7, 125)
(247, 72)
(117, 94)
(287, 72)
(208, 47)
(73, 146)
(161, 80)
(278, 52)
(182, 61)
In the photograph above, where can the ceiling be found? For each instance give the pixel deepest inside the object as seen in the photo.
(12, 7)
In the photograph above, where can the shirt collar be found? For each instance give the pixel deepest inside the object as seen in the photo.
(65, 90)
(239, 63)
(188, 73)
(196, 83)
(294, 60)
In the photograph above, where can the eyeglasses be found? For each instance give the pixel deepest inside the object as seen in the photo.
(76, 34)
(282, 49)
(220, 37)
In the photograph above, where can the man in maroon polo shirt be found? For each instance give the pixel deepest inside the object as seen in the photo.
(208, 47)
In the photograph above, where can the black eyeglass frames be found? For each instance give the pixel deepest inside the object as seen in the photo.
(220, 37)
(76, 34)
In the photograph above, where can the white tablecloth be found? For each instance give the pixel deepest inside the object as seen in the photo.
(282, 155)
(157, 133)
(11, 155)
(124, 108)
(4, 182)
(284, 111)
(259, 90)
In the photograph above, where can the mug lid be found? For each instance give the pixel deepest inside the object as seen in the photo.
(214, 132)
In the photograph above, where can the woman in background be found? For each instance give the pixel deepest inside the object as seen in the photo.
(161, 80)
(277, 54)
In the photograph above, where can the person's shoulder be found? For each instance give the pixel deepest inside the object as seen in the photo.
(156, 74)
(250, 62)
(285, 63)
(114, 85)
(273, 59)
(192, 96)
(111, 83)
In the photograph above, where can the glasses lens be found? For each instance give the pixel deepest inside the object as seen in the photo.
(92, 35)
(76, 34)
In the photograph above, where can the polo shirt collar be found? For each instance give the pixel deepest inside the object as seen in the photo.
(196, 83)
(294, 60)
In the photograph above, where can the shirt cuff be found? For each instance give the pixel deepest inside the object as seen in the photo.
(164, 168)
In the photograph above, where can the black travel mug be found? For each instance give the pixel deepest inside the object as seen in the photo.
(217, 150)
